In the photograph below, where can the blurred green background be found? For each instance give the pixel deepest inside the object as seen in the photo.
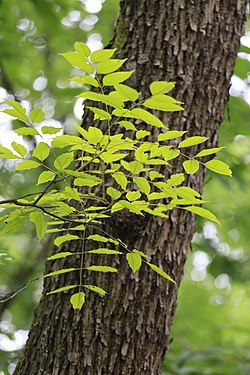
(211, 331)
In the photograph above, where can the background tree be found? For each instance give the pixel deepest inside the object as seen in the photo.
(173, 70)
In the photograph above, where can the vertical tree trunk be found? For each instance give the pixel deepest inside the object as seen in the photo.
(192, 42)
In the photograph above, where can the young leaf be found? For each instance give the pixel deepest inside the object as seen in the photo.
(38, 218)
(68, 287)
(63, 254)
(101, 269)
(19, 111)
(20, 149)
(77, 300)
(113, 193)
(171, 134)
(50, 130)
(67, 237)
(147, 117)
(100, 113)
(142, 184)
(161, 87)
(75, 59)
(36, 115)
(86, 80)
(104, 251)
(97, 237)
(163, 103)
(26, 131)
(134, 261)
(141, 253)
(218, 166)
(134, 166)
(45, 176)
(102, 55)
(121, 179)
(86, 182)
(109, 66)
(133, 195)
(160, 272)
(127, 93)
(41, 151)
(96, 289)
(114, 78)
(192, 141)
(60, 272)
(208, 151)
(82, 49)
(27, 164)
(191, 166)
(141, 134)
(127, 125)
(63, 160)
(202, 212)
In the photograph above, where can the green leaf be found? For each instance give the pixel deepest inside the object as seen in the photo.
(208, 151)
(96, 289)
(19, 111)
(121, 179)
(147, 117)
(36, 115)
(153, 175)
(50, 130)
(109, 66)
(60, 272)
(118, 77)
(102, 55)
(175, 180)
(113, 101)
(101, 269)
(219, 167)
(5, 153)
(38, 218)
(140, 253)
(63, 289)
(45, 176)
(113, 193)
(160, 272)
(192, 141)
(191, 166)
(133, 195)
(134, 166)
(141, 134)
(100, 113)
(202, 212)
(26, 131)
(86, 80)
(63, 254)
(127, 125)
(142, 184)
(127, 93)
(65, 238)
(75, 59)
(82, 49)
(77, 300)
(63, 160)
(20, 149)
(171, 134)
(161, 87)
(97, 237)
(104, 251)
(163, 103)
(41, 151)
(27, 164)
(86, 182)
(134, 261)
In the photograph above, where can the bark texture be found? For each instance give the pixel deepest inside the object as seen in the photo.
(192, 42)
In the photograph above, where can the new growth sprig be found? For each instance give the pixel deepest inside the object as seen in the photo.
(136, 165)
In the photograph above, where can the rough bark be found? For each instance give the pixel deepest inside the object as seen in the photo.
(194, 43)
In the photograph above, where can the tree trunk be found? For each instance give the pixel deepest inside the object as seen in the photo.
(192, 42)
